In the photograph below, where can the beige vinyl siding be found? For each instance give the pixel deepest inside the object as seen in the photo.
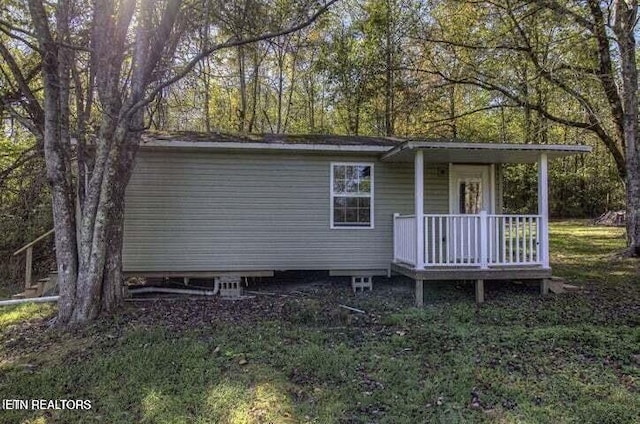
(188, 211)
(436, 188)
(499, 189)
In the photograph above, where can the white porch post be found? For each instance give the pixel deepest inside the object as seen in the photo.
(419, 206)
(543, 209)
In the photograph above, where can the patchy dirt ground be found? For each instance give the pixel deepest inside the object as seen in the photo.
(315, 303)
(513, 359)
(295, 301)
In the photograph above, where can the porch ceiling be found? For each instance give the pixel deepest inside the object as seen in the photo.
(458, 152)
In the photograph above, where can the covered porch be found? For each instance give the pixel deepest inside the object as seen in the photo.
(474, 240)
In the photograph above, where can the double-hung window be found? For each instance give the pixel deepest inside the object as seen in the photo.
(351, 195)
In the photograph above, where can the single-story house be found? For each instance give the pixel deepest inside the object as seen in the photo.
(206, 205)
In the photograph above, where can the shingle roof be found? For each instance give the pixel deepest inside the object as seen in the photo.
(392, 148)
(213, 137)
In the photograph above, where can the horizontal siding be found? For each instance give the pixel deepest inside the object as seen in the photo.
(189, 211)
(436, 188)
(499, 190)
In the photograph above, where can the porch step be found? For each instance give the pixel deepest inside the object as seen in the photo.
(49, 284)
(556, 285)
(572, 288)
(28, 293)
(559, 285)
(40, 288)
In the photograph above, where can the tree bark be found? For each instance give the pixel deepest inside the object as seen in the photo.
(112, 288)
(452, 111)
(242, 111)
(255, 88)
(57, 157)
(389, 104)
(625, 14)
(280, 54)
(207, 95)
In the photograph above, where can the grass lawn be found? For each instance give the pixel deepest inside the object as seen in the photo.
(300, 358)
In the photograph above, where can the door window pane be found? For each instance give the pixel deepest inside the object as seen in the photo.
(470, 197)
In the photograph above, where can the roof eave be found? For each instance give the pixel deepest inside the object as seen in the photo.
(264, 146)
(387, 152)
(539, 148)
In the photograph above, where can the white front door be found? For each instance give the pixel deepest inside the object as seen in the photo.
(469, 194)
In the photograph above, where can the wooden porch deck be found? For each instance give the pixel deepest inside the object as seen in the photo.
(476, 274)
(507, 272)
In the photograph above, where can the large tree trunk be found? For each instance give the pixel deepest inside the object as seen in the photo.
(93, 254)
(57, 157)
(624, 28)
(112, 288)
(99, 284)
(63, 206)
(112, 284)
(633, 207)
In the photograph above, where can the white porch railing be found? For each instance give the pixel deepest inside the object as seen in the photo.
(481, 240)
(404, 239)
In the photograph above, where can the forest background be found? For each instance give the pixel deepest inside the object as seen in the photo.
(477, 71)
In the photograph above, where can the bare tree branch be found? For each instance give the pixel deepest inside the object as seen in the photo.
(31, 105)
(17, 37)
(593, 124)
(471, 46)
(564, 11)
(470, 112)
(584, 102)
(20, 161)
(233, 42)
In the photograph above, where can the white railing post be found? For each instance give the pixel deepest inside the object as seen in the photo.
(538, 246)
(419, 207)
(396, 237)
(543, 208)
(484, 239)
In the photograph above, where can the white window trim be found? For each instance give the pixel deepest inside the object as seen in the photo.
(332, 196)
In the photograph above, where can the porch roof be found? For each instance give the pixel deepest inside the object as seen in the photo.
(460, 152)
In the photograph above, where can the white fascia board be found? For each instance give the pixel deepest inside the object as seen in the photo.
(501, 146)
(411, 145)
(263, 146)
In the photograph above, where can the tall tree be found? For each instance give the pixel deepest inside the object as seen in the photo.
(580, 57)
(105, 62)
